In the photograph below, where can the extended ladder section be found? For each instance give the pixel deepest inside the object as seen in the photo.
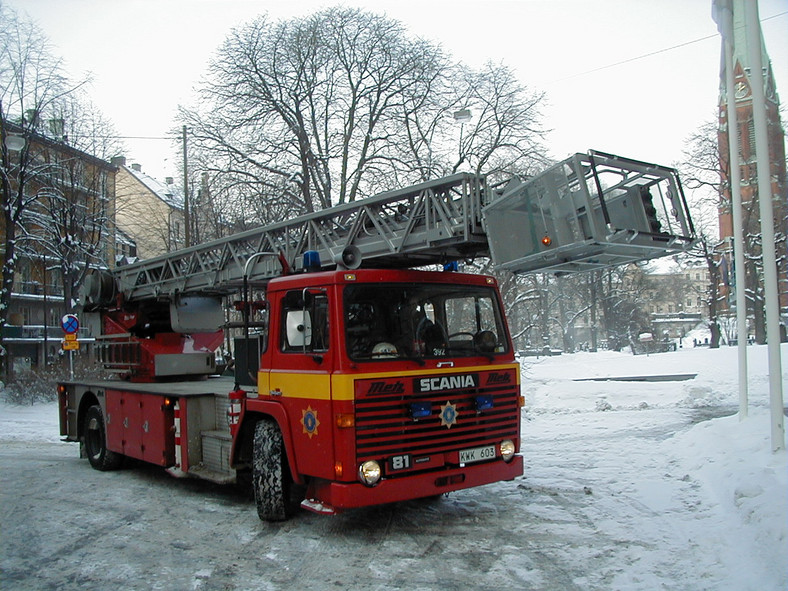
(433, 222)
(589, 211)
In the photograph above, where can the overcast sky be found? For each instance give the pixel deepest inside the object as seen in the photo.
(631, 77)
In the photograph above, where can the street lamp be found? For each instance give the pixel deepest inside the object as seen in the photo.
(462, 116)
(14, 142)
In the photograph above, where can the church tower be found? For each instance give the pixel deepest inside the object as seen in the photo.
(749, 179)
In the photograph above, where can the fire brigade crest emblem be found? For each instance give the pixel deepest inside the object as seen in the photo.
(448, 414)
(309, 421)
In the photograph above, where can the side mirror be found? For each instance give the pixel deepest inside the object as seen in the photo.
(298, 329)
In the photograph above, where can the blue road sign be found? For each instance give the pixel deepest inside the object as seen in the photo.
(70, 324)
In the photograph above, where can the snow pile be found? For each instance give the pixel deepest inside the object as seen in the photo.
(733, 461)
(704, 494)
(34, 424)
(704, 378)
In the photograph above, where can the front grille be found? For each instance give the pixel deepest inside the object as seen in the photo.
(384, 426)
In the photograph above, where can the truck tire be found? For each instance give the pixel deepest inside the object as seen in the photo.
(271, 478)
(95, 440)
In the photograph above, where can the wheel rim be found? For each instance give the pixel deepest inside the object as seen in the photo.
(93, 438)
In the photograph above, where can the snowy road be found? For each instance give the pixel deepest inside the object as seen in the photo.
(562, 527)
(621, 499)
(61, 530)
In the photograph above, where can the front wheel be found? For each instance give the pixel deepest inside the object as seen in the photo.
(271, 479)
(94, 435)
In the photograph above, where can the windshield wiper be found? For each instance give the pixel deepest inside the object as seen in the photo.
(418, 360)
(489, 356)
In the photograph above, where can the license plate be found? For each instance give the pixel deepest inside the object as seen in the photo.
(477, 454)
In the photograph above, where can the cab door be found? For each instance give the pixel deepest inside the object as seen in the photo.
(300, 376)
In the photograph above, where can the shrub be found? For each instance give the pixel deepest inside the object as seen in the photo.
(40, 385)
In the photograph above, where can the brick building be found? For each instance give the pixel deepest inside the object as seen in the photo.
(749, 179)
(68, 219)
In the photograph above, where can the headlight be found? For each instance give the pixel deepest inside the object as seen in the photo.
(369, 472)
(507, 449)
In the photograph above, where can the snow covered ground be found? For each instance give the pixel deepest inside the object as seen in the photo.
(714, 495)
(629, 485)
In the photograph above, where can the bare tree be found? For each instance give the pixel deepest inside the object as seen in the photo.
(703, 171)
(31, 81)
(75, 206)
(709, 145)
(313, 102)
(303, 114)
(621, 293)
(54, 196)
(505, 132)
(70, 219)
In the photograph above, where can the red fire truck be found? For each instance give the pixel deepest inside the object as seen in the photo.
(358, 380)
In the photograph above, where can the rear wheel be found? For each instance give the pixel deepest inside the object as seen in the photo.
(94, 435)
(271, 479)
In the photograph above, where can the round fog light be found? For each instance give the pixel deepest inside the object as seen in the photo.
(369, 472)
(507, 450)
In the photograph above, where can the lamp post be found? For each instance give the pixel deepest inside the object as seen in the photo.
(462, 116)
(752, 28)
(187, 236)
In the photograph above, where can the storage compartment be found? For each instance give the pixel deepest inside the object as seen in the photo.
(141, 426)
(247, 359)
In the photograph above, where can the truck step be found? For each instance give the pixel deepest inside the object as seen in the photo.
(316, 506)
(212, 475)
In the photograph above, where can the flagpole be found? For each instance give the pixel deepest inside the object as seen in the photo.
(723, 15)
(754, 45)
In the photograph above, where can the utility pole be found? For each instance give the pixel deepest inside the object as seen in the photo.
(187, 234)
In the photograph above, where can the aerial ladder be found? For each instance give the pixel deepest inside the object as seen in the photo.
(587, 212)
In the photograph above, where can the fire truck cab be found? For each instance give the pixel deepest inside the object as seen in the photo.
(385, 385)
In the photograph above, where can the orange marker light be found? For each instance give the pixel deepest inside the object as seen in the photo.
(547, 241)
(345, 421)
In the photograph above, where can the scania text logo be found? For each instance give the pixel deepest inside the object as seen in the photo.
(438, 383)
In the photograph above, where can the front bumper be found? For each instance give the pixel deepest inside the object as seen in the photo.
(330, 497)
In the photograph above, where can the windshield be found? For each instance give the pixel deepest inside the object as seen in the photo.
(415, 321)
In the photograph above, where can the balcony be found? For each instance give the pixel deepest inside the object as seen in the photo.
(31, 333)
(35, 288)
